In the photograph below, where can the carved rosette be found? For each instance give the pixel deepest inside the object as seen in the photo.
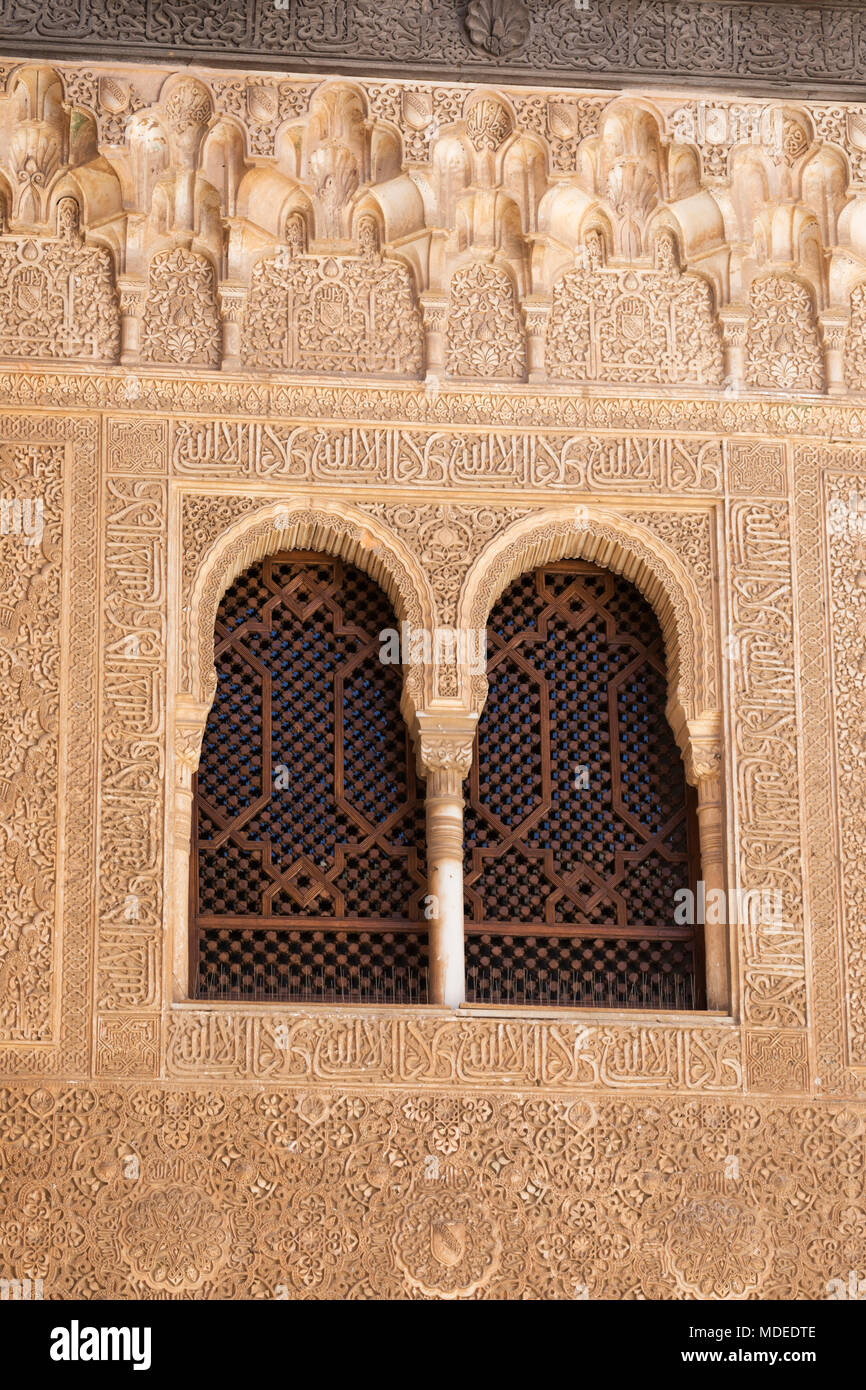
(498, 27)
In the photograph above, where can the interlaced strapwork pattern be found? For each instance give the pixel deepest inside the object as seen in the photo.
(308, 867)
(576, 832)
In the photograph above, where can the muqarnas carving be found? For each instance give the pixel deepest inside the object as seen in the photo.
(355, 313)
(633, 325)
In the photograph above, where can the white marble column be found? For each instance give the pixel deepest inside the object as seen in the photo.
(704, 768)
(444, 754)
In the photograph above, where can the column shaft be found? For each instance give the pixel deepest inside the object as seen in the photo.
(444, 807)
(711, 823)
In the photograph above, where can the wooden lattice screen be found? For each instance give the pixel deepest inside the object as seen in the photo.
(308, 871)
(579, 828)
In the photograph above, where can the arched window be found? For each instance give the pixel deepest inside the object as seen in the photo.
(579, 827)
(307, 869)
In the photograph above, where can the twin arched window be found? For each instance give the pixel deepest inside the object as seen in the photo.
(308, 876)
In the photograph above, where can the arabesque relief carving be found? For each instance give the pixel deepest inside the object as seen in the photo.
(782, 347)
(57, 295)
(845, 523)
(654, 325)
(321, 314)
(49, 662)
(855, 340)
(180, 321)
(748, 45)
(485, 335)
(139, 1192)
(31, 546)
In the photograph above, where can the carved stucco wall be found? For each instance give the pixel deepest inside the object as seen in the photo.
(419, 1153)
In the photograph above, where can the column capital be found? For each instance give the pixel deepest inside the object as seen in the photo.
(232, 300)
(703, 763)
(536, 308)
(734, 321)
(701, 743)
(189, 726)
(434, 309)
(834, 325)
(444, 743)
(132, 295)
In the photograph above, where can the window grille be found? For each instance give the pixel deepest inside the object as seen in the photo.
(307, 868)
(579, 826)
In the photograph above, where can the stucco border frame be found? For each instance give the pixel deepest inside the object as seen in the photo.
(337, 525)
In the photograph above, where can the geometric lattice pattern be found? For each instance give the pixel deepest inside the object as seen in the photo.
(367, 967)
(576, 828)
(307, 814)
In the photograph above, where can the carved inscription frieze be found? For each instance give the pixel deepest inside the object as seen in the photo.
(759, 653)
(466, 1052)
(133, 760)
(31, 549)
(366, 454)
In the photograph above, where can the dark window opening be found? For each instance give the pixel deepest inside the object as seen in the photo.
(579, 826)
(307, 869)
